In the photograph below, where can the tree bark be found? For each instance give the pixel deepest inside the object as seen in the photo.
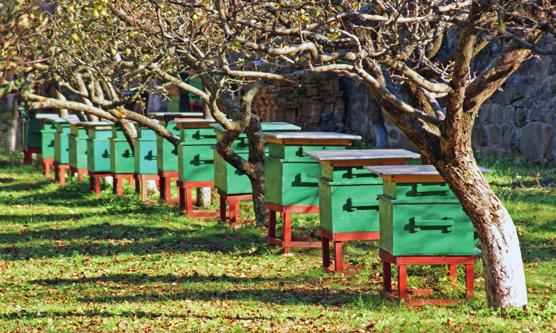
(204, 196)
(256, 159)
(13, 108)
(503, 266)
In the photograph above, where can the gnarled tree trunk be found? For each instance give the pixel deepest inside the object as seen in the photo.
(501, 254)
(256, 159)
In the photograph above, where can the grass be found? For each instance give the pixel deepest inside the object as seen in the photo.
(73, 262)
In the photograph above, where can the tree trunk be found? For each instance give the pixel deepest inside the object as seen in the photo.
(503, 266)
(13, 108)
(204, 198)
(256, 159)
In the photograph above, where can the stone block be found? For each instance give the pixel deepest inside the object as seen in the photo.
(532, 144)
(521, 117)
(493, 134)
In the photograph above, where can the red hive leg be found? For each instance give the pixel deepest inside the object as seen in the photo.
(223, 201)
(27, 156)
(453, 272)
(47, 165)
(287, 220)
(402, 281)
(338, 256)
(386, 277)
(272, 224)
(469, 280)
(325, 253)
(61, 170)
(185, 199)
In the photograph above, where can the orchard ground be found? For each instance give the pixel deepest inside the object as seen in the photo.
(71, 261)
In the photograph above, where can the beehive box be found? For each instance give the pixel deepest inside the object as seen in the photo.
(348, 193)
(145, 151)
(227, 178)
(122, 159)
(78, 146)
(420, 215)
(48, 136)
(61, 142)
(98, 146)
(196, 150)
(167, 153)
(291, 176)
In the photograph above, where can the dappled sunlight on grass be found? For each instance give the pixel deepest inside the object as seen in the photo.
(73, 261)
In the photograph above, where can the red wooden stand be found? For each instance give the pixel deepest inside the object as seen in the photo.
(60, 173)
(81, 173)
(28, 154)
(94, 180)
(185, 198)
(402, 261)
(234, 217)
(118, 182)
(286, 211)
(47, 164)
(141, 184)
(165, 181)
(339, 238)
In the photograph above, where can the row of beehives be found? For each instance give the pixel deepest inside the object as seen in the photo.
(369, 194)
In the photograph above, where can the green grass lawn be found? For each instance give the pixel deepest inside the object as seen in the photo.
(70, 261)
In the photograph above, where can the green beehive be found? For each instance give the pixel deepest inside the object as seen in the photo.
(48, 136)
(167, 153)
(98, 146)
(348, 193)
(145, 151)
(420, 215)
(31, 129)
(227, 178)
(122, 160)
(195, 152)
(61, 142)
(78, 146)
(291, 176)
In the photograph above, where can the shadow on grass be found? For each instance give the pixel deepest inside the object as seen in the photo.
(24, 315)
(144, 278)
(120, 239)
(284, 296)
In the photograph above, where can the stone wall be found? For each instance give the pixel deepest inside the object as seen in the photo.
(519, 122)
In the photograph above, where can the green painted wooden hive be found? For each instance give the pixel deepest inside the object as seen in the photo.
(61, 142)
(196, 150)
(145, 151)
(48, 136)
(31, 131)
(291, 176)
(348, 193)
(167, 153)
(420, 215)
(227, 178)
(78, 146)
(98, 146)
(122, 159)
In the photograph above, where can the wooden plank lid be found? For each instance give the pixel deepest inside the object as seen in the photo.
(407, 173)
(175, 115)
(310, 138)
(362, 157)
(410, 173)
(194, 123)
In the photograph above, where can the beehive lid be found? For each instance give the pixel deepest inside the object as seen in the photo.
(362, 157)
(175, 115)
(97, 125)
(279, 126)
(410, 173)
(46, 116)
(310, 138)
(194, 123)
